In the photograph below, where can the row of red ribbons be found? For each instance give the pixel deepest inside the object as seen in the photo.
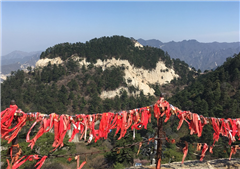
(204, 147)
(122, 121)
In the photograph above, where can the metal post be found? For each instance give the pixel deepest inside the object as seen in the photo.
(159, 143)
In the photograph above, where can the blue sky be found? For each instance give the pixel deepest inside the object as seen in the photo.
(32, 26)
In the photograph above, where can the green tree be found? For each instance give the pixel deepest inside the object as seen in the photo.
(124, 156)
(63, 95)
(71, 96)
(217, 92)
(157, 90)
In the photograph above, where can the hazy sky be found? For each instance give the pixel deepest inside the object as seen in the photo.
(33, 26)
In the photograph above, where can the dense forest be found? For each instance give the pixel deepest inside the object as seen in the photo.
(213, 94)
(73, 89)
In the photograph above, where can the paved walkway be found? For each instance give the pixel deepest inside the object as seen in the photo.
(234, 163)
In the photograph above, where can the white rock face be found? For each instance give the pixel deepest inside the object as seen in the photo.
(137, 77)
(137, 44)
(3, 77)
(84, 62)
(44, 62)
(112, 93)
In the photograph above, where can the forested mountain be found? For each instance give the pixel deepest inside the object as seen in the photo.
(203, 56)
(214, 94)
(103, 48)
(75, 88)
(71, 87)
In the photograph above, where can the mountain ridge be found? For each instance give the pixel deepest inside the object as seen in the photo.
(203, 56)
(18, 54)
(18, 60)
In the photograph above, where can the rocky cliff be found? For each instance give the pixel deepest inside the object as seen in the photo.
(138, 77)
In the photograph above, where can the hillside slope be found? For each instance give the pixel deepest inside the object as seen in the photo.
(214, 94)
(138, 77)
(218, 92)
(103, 72)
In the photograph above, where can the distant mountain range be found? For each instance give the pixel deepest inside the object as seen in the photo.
(21, 57)
(203, 56)
(18, 60)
